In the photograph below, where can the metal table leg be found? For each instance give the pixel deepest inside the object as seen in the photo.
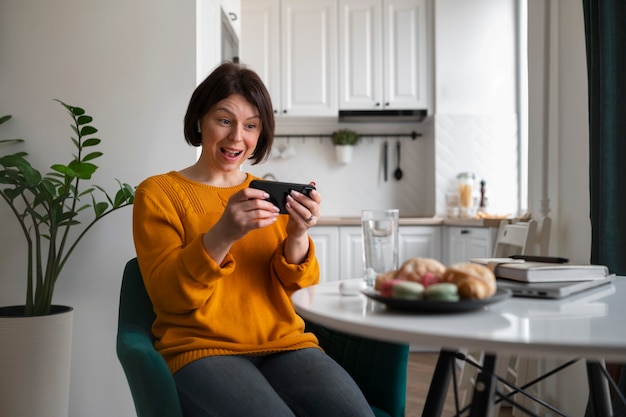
(439, 384)
(598, 389)
(484, 389)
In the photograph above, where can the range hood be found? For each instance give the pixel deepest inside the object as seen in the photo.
(382, 116)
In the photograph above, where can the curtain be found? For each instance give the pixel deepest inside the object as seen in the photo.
(605, 37)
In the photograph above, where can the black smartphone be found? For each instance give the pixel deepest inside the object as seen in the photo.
(278, 191)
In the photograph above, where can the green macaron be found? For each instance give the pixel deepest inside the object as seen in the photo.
(443, 291)
(407, 290)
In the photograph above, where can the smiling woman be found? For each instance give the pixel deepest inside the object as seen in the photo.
(220, 263)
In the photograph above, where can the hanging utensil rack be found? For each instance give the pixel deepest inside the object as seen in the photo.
(413, 135)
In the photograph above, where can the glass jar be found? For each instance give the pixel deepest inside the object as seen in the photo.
(465, 187)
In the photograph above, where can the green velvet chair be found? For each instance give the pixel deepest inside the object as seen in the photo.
(379, 368)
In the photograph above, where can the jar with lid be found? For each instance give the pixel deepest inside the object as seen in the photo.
(465, 187)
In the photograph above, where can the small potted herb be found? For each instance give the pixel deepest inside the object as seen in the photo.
(344, 141)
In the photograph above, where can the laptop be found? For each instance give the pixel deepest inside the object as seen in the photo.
(551, 290)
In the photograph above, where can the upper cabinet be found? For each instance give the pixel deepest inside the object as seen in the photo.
(291, 44)
(317, 57)
(383, 54)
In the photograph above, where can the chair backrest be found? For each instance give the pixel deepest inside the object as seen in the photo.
(515, 238)
(151, 383)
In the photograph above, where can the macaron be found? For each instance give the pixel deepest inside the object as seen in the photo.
(386, 288)
(443, 291)
(407, 290)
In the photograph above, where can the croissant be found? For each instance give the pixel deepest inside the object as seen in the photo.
(414, 269)
(472, 280)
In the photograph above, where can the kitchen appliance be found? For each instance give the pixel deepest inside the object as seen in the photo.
(382, 116)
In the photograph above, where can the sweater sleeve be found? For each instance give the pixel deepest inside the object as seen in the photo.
(293, 277)
(178, 275)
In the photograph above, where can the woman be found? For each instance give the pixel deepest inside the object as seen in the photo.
(220, 264)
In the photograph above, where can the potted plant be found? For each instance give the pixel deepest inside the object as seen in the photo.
(54, 210)
(344, 141)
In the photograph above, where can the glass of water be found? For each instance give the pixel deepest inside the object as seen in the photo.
(380, 242)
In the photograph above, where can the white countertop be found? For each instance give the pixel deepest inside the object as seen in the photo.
(411, 221)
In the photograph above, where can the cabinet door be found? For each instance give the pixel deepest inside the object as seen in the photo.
(405, 54)
(351, 252)
(419, 241)
(326, 240)
(465, 243)
(260, 43)
(360, 54)
(480, 243)
(309, 63)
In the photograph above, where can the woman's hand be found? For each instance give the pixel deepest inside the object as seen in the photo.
(246, 210)
(304, 211)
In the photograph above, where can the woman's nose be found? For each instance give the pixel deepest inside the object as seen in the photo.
(237, 133)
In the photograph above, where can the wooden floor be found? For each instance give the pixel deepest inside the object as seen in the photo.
(420, 371)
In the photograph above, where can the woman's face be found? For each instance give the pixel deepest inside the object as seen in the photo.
(230, 132)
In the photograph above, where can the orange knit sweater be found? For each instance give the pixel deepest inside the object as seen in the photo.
(239, 307)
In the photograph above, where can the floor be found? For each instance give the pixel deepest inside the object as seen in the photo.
(420, 370)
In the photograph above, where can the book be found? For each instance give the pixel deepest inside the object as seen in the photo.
(525, 271)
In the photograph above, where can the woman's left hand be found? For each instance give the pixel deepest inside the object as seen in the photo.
(304, 211)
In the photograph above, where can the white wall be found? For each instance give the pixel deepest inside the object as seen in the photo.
(131, 65)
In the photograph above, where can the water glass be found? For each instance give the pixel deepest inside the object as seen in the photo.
(380, 242)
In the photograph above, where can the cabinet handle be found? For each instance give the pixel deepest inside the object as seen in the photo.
(386, 104)
(233, 16)
(284, 111)
(465, 232)
(377, 104)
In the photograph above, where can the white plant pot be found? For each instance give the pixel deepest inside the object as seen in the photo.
(35, 358)
(344, 153)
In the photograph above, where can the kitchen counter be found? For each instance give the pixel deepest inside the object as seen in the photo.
(411, 221)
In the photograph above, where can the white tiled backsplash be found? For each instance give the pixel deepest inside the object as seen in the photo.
(484, 145)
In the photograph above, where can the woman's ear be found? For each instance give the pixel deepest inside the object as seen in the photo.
(198, 128)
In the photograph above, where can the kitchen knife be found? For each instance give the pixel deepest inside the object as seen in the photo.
(385, 149)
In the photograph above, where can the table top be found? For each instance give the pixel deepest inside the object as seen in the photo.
(591, 324)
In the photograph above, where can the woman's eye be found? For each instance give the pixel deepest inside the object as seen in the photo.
(225, 121)
(252, 126)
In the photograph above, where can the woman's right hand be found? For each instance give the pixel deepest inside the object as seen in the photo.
(246, 210)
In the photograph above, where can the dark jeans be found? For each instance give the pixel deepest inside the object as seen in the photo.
(302, 383)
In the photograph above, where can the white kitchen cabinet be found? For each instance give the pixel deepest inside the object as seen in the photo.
(291, 44)
(343, 258)
(464, 243)
(326, 240)
(383, 54)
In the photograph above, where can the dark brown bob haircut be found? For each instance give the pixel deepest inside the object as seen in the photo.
(228, 79)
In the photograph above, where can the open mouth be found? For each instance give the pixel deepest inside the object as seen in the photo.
(229, 153)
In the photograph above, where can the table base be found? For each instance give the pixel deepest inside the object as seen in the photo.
(485, 388)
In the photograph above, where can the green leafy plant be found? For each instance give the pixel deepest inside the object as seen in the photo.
(47, 207)
(345, 137)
